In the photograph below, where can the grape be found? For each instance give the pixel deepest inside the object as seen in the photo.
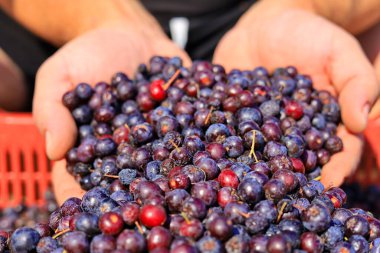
(202, 160)
(46, 245)
(24, 240)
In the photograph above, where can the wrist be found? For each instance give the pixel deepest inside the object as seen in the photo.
(265, 9)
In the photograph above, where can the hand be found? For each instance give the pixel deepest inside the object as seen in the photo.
(274, 37)
(92, 57)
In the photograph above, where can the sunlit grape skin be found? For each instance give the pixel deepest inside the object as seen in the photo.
(156, 90)
(228, 178)
(111, 223)
(152, 216)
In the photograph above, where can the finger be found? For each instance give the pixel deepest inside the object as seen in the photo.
(231, 56)
(64, 184)
(85, 59)
(343, 164)
(186, 61)
(355, 80)
(82, 60)
(174, 50)
(51, 117)
(171, 52)
(167, 48)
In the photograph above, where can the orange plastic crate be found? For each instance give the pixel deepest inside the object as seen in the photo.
(25, 170)
(24, 167)
(369, 172)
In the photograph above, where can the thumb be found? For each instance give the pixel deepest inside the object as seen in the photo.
(344, 163)
(168, 48)
(52, 118)
(64, 184)
(355, 80)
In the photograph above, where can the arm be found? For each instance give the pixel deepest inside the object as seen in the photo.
(59, 21)
(352, 15)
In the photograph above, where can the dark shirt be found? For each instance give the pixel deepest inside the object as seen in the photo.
(209, 20)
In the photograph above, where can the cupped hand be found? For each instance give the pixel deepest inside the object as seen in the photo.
(92, 57)
(274, 37)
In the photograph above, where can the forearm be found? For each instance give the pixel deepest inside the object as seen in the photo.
(355, 16)
(59, 21)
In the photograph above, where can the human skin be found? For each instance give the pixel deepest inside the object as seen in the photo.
(271, 35)
(287, 29)
(94, 48)
(292, 39)
(107, 51)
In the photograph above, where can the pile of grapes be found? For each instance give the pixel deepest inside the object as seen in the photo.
(32, 216)
(199, 160)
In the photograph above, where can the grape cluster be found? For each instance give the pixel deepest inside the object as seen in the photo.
(199, 160)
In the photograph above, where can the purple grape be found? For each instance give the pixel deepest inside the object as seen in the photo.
(75, 242)
(46, 245)
(316, 218)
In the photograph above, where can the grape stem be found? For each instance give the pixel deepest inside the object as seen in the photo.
(209, 115)
(298, 207)
(281, 212)
(252, 152)
(127, 127)
(187, 220)
(61, 233)
(245, 215)
(174, 144)
(111, 176)
(171, 80)
(139, 228)
(197, 86)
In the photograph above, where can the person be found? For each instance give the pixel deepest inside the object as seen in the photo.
(98, 38)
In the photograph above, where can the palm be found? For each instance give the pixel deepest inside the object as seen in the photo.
(318, 48)
(283, 43)
(94, 57)
(302, 39)
(91, 58)
(97, 56)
